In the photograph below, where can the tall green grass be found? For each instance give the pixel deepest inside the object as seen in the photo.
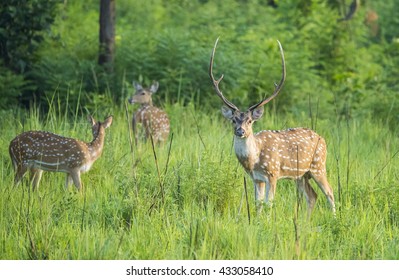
(195, 206)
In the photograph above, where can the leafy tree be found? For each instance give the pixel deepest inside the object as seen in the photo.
(21, 30)
(22, 26)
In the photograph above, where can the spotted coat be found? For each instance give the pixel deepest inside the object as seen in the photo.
(288, 154)
(295, 153)
(155, 122)
(39, 151)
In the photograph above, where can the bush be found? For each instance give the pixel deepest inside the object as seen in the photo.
(11, 86)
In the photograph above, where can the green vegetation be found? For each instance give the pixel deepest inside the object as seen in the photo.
(195, 208)
(190, 203)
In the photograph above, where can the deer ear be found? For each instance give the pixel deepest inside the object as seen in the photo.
(227, 112)
(108, 122)
(154, 87)
(137, 86)
(257, 113)
(91, 120)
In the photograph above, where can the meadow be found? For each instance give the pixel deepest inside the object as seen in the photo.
(186, 199)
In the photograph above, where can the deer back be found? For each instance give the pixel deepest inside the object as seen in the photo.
(155, 122)
(291, 153)
(48, 151)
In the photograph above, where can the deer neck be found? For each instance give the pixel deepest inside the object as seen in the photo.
(247, 151)
(96, 146)
(147, 104)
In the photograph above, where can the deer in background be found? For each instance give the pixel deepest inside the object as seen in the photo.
(40, 150)
(154, 120)
(269, 155)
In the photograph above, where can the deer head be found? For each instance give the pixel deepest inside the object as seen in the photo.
(242, 121)
(143, 95)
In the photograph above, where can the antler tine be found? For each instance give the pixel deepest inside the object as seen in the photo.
(216, 82)
(277, 86)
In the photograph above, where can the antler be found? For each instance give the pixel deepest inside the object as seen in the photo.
(277, 86)
(216, 82)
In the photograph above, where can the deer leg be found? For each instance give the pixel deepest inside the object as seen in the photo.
(36, 175)
(148, 130)
(270, 190)
(259, 194)
(264, 192)
(76, 179)
(310, 195)
(20, 171)
(134, 128)
(321, 180)
(68, 181)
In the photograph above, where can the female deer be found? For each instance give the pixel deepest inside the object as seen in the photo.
(40, 150)
(154, 120)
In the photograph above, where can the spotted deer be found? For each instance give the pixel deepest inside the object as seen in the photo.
(39, 151)
(269, 155)
(154, 120)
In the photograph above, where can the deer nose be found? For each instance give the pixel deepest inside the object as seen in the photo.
(240, 132)
(130, 100)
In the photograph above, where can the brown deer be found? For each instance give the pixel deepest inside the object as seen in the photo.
(154, 120)
(269, 155)
(40, 150)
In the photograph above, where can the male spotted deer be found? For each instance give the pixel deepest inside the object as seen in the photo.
(154, 120)
(295, 153)
(40, 150)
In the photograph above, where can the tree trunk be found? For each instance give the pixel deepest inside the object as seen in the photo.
(107, 34)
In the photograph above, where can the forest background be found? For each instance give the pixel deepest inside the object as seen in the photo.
(51, 47)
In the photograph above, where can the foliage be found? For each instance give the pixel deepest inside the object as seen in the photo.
(337, 66)
(12, 84)
(22, 29)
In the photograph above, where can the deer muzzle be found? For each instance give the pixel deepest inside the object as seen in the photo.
(131, 100)
(239, 132)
